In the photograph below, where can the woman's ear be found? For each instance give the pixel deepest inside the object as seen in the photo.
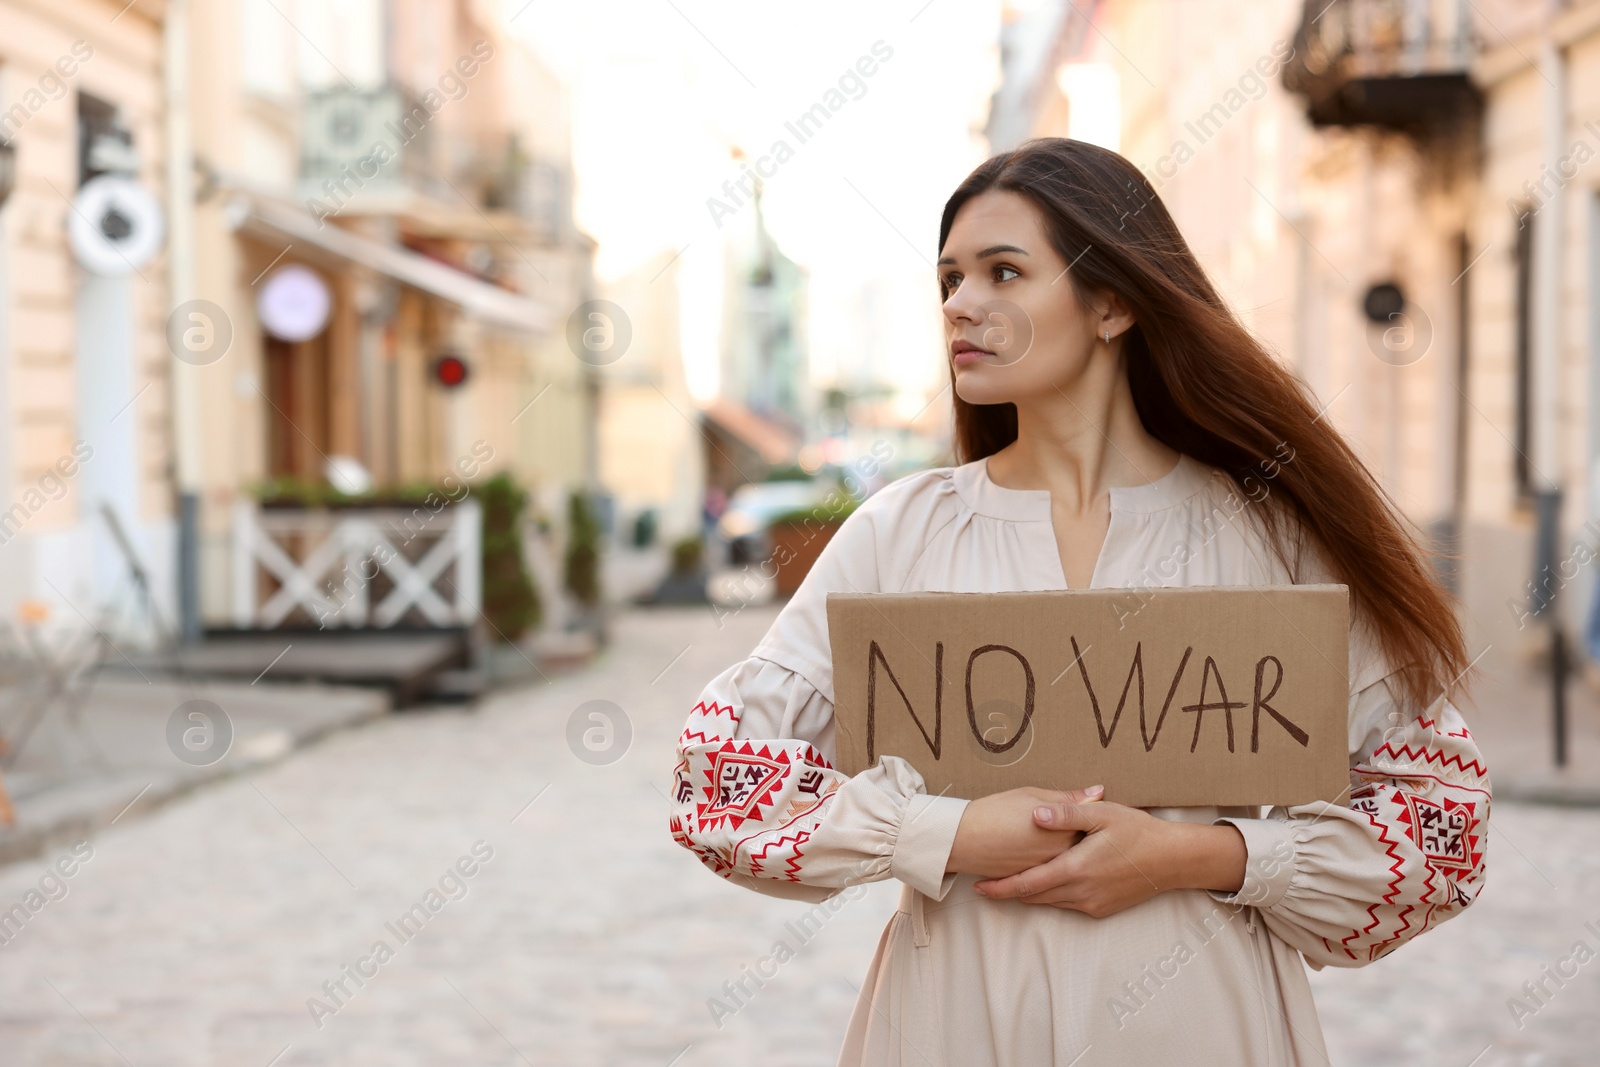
(1113, 313)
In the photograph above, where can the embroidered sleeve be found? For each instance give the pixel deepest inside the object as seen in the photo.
(1347, 885)
(756, 798)
(755, 794)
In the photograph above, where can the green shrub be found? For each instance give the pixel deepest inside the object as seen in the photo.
(842, 504)
(510, 601)
(686, 555)
(289, 491)
(582, 571)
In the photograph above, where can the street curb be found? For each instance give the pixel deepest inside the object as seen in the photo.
(27, 842)
(1550, 796)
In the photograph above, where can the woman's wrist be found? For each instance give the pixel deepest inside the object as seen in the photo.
(958, 858)
(1205, 856)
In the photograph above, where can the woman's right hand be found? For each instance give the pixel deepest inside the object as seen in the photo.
(998, 837)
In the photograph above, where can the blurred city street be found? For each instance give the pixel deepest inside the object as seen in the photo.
(408, 408)
(196, 935)
(203, 932)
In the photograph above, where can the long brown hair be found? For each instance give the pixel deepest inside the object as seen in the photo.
(1204, 386)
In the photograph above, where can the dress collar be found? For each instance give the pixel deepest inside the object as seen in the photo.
(980, 493)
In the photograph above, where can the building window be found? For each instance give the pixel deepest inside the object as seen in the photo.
(105, 144)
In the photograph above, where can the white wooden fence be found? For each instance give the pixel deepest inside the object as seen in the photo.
(341, 550)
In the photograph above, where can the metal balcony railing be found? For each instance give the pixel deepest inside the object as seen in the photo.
(364, 141)
(1401, 64)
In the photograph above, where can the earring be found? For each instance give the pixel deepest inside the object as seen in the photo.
(1108, 337)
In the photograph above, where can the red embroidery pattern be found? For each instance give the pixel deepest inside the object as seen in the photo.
(1432, 755)
(787, 849)
(1429, 816)
(1376, 948)
(1441, 831)
(706, 717)
(741, 779)
(774, 792)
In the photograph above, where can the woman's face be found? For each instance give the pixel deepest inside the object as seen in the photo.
(1009, 303)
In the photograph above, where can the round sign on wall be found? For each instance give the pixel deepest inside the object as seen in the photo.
(294, 303)
(115, 225)
(450, 370)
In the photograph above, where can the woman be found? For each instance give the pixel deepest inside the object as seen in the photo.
(1117, 426)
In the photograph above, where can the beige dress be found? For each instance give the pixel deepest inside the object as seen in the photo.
(1186, 977)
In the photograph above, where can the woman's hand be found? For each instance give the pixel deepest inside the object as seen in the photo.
(998, 834)
(1126, 857)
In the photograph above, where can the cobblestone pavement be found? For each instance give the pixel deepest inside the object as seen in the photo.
(566, 928)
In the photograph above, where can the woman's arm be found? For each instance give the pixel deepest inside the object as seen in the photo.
(999, 835)
(755, 795)
(1344, 885)
(756, 798)
(1126, 857)
(1347, 885)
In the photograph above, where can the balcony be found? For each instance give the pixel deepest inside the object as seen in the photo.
(1395, 64)
(364, 145)
(379, 151)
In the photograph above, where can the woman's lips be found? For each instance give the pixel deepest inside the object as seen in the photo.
(970, 355)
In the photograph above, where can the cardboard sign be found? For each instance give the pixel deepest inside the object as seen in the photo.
(1194, 696)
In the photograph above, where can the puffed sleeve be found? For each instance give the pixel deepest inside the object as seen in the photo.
(755, 795)
(1346, 885)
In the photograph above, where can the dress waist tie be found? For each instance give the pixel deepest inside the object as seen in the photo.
(911, 903)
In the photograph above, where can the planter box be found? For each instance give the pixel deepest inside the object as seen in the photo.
(374, 503)
(680, 589)
(795, 547)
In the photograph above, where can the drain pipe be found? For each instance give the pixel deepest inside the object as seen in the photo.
(1545, 328)
(181, 282)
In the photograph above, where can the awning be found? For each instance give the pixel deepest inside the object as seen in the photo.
(775, 443)
(478, 299)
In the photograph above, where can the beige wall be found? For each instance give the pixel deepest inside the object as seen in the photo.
(1332, 211)
(1293, 224)
(41, 280)
(1515, 96)
(652, 453)
(124, 68)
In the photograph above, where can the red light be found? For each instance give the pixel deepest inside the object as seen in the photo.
(450, 371)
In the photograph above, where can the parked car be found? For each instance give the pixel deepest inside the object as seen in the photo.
(743, 527)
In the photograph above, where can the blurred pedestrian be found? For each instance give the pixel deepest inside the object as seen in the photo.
(715, 503)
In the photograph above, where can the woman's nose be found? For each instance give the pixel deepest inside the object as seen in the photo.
(959, 308)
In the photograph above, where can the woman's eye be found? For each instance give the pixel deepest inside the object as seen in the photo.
(1001, 273)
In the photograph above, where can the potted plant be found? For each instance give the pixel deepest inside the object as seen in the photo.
(581, 570)
(797, 537)
(685, 583)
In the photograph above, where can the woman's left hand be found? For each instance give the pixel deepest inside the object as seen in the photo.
(1126, 856)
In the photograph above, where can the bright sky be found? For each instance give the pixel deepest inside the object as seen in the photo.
(662, 89)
